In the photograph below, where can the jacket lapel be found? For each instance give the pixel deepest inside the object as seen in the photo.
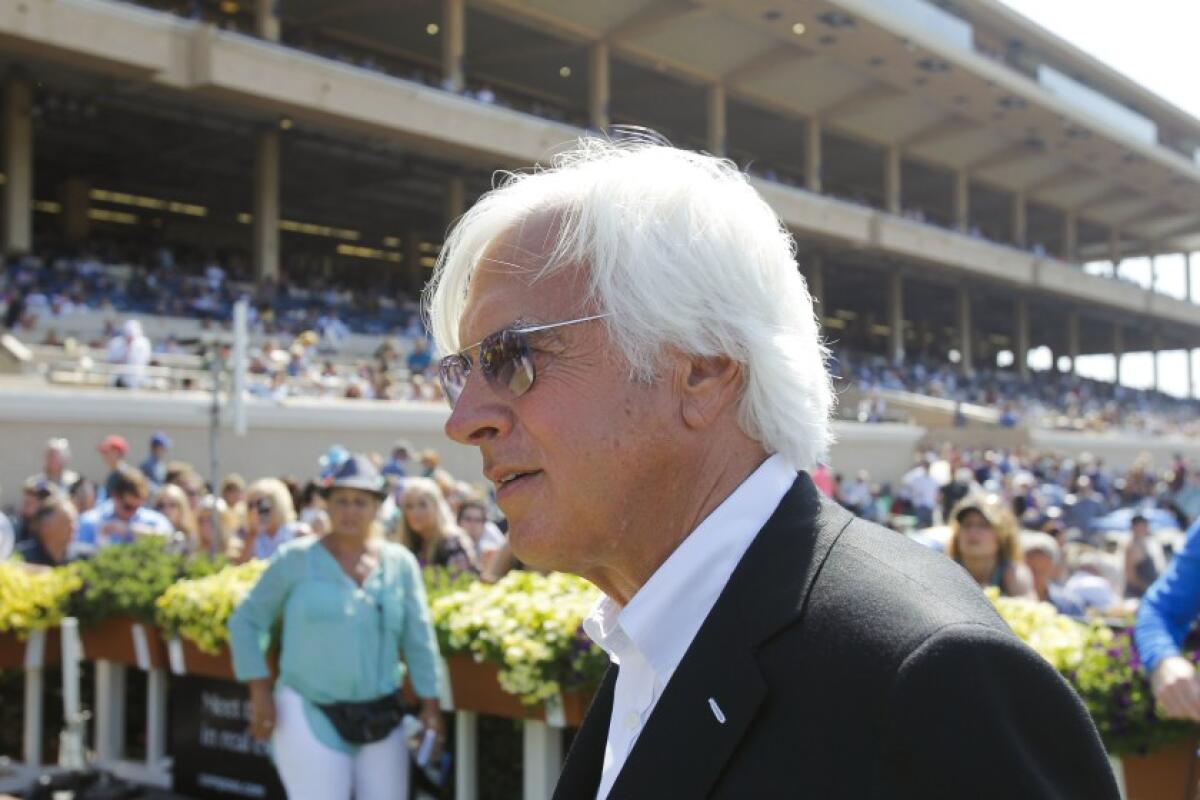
(686, 743)
(581, 773)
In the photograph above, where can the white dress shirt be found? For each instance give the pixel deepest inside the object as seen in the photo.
(649, 636)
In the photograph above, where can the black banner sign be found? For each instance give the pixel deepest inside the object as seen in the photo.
(215, 756)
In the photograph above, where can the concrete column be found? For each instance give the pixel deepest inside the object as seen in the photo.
(414, 273)
(1073, 340)
(892, 194)
(1114, 249)
(1155, 348)
(816, 284)
(1070, 251)
(266, 15)
(1020, 220)
(812, 155)
(1118, 350)
(599, 86)
(456, 203)
(1191, 373)
(896, 317)
(454, 44)
(1154, 270)
(962, 201)
(964, 330)
(716, 120)
(75, 198)
(1187, 277)
(18, 166)
(265, 249)
(1021, 340)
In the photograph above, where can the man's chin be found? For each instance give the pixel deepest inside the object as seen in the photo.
(537, 549)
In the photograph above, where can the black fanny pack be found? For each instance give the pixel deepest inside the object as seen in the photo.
(366, 721)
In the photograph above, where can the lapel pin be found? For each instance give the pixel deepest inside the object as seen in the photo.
(716, 709)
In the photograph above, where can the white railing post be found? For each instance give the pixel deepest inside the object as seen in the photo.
(35, 650)
(110, 712)
(466, 755)
(156, 719)
(543, 759)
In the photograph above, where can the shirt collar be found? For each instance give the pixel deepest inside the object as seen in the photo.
(664, 616)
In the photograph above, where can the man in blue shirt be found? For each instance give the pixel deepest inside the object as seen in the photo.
(123, 517)
(1164, 618)
(397, 465)
(155, 465)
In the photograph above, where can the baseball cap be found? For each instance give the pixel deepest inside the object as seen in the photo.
(160, 439)
(60, 444)
(114, 442)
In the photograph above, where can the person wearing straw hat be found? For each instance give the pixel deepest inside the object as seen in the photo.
(351, 603)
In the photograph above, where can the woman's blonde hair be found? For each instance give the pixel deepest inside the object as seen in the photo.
(424, 545)
(223, 523)
(998, 515)
(282, 510)
(187, 518)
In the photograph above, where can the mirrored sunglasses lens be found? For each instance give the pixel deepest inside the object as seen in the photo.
(519, 375)
(453, 375)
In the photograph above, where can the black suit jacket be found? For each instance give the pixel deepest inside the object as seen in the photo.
(850, 662)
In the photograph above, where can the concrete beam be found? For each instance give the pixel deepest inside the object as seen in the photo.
(939, 132)
(654, 18)
(766, 62)
(858, 101)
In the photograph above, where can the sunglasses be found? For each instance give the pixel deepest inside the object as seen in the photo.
(262, 506)
(505, 359)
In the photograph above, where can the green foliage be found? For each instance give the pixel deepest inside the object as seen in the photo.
(126, 580)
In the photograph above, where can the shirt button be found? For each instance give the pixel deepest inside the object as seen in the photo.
(632, 720)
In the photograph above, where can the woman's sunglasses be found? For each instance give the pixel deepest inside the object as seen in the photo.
(504, 359)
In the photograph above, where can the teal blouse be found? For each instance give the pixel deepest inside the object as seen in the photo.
(341, 642)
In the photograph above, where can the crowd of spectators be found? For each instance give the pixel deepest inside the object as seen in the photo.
(303, 331)
(62, 515)
(1044, 398)
(1071, 531)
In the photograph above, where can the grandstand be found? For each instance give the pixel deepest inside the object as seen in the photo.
(963, 186)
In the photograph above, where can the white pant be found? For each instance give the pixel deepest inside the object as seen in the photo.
(312, 771)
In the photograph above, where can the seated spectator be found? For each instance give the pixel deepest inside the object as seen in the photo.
(123, 517)
(984, 540)
(112, 452)
(397, 465)
(8, 536)
(420, 358)
(155, 465)
(233, 490)
(52, 534)
(131, 350)
(426, 527)
(172, 503)
(54, 465)
(216, 525)
(270, 521)
(487, 538)
(1144, 558)
(83, 495)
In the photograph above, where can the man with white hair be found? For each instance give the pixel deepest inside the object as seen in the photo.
(635, 354)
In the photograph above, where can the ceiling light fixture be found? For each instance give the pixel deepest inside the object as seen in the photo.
(432, 29)
(799, 29)
(564, 72)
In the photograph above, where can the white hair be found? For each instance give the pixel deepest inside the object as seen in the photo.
(684, 254)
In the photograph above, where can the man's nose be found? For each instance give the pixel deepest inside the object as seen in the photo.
(479, 415)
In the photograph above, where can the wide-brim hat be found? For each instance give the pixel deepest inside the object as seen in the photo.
(357, 472)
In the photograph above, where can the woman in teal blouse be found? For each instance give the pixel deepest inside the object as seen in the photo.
(350, 603)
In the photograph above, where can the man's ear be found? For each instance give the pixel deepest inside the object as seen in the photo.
(709, 385)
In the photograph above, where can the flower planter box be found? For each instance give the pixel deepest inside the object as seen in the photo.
(14, 650)
(124, 640)
(1168, 774)
(475, 686)
(188, 659)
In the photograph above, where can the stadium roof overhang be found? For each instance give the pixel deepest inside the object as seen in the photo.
(869, 74)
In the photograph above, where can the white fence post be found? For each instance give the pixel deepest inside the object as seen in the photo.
(543, 759)
(110, 712)
(466, 755)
